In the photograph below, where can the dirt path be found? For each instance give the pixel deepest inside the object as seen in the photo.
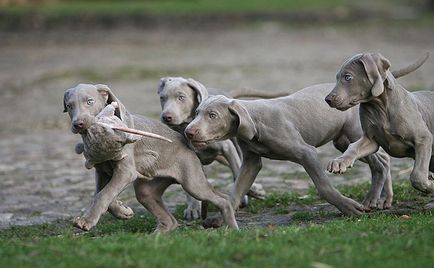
(41, 178)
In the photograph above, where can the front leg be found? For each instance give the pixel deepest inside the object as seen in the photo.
(123, 174)
(250, 168)
(116, 208)
(359, 149)
(423, 152)
(230, 154)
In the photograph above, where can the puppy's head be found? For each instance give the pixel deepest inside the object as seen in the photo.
(85, 101)
(219, 118)
(360, 79)
(179, 98)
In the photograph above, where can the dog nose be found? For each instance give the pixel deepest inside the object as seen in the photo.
(167, 118)
(190, 133)
(78, 124)
(329, 100)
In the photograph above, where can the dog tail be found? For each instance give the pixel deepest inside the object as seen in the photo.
(412, 67)
(252, 93)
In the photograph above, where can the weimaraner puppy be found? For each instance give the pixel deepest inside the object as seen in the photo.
(399, 121)
(288, 128)
(151, 164)
(179, 98)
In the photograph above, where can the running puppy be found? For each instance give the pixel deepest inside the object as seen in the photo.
(152, 164)
(399, 121)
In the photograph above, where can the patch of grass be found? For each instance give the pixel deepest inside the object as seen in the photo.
(380, 241)
(280, 201)
(315, 237)
(403, 192)
(356, 192)
(168, 7)
(179, 211)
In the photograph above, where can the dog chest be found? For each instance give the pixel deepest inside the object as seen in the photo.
(269, 151)
(394, 143)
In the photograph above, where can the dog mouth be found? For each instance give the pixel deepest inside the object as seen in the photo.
(349, 105)
(203, 143)
(343, 107)
(78, 130)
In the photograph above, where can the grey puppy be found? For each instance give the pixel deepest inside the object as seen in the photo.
(399, 121)
(289, 128)
(179, 98)
(152, 165)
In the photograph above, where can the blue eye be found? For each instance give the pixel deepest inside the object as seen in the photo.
(348, 77)
(181, 98)
(212, 115)
(90, 101)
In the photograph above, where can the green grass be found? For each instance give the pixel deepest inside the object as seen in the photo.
(169, 7)
(381, 241)
(280, 201)
(311, 239)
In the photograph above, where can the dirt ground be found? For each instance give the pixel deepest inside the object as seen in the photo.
(42, 179)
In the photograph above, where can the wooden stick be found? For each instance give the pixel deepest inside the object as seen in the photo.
(143, 133)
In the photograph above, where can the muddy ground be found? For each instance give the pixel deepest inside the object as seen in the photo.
(42, 179)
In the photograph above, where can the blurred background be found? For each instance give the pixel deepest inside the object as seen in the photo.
(274, 45)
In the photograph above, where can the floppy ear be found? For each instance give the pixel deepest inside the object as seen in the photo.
(109, 97)
(246, 126)
(65, 97)
(376, 67)
(201, 91)
(162, 84)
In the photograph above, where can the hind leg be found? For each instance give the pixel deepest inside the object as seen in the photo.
(148, 193)
(193, 210)
(380, 195)
(197, 186)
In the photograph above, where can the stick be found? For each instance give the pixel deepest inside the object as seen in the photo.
(143, 133)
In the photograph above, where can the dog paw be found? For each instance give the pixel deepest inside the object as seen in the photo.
(422, 182)
(165, 227)
(115, 104)
(384, 203)
(339, 165)
(348, 206)
(374, 203)
(83, 223)
(213, 222)
(120, 211)
(192, 212)
(257, 191)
